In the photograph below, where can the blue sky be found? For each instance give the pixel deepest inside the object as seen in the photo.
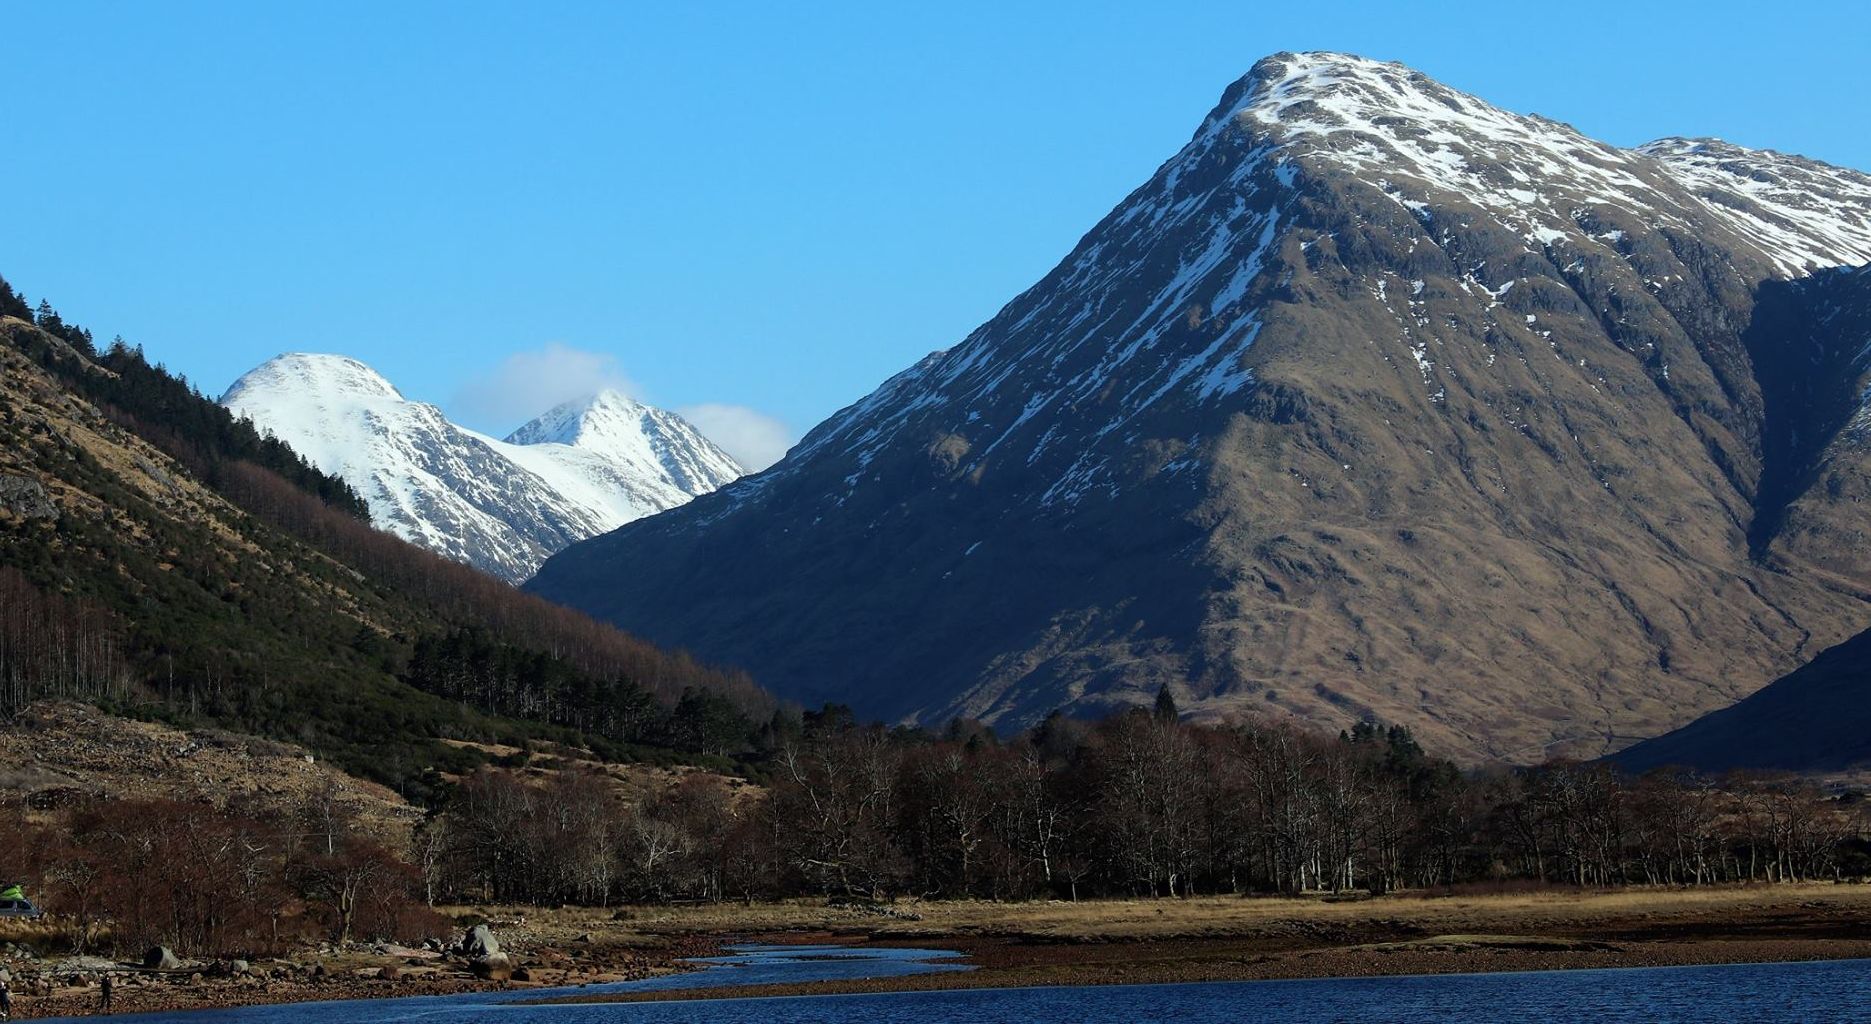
(753, 211)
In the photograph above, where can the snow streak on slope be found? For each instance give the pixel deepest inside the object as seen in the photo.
(583, 469)
(1806, 214)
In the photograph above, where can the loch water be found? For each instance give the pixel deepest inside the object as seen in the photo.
(1838, 990)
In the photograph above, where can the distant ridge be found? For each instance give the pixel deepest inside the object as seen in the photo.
(582, 469)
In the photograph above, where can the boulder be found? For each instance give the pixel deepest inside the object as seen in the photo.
(491, 968)
(161, 958)
(390, 972)
(238, 967)
(480, 943)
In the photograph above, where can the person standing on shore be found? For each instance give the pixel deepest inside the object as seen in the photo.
(103, 994)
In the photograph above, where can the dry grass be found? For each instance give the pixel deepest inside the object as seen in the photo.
(1235, 939)
(1545, 912)
(62, 751)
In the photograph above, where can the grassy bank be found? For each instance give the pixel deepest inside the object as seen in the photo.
(1230, 938)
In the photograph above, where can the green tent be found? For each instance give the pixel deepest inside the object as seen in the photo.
(12, 892)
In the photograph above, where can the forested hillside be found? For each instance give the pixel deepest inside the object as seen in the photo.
(163, 559)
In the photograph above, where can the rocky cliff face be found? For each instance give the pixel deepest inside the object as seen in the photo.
(1375, 400)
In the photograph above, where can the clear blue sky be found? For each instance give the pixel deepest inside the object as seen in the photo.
(769, 206)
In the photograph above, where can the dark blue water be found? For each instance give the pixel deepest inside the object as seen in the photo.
(1750, 993)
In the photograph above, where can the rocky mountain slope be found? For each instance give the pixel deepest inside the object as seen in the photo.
(1815, 718)
(1375, 400)
(60, 754)
(502, 506)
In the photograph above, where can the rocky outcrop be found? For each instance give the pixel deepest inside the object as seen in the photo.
(25, 498)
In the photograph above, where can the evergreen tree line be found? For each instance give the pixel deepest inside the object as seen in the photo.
(1139, 804)
(165, 409)
(471, 666)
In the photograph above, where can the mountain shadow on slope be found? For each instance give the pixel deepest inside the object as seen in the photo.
(1810, 345)
(1816, 718)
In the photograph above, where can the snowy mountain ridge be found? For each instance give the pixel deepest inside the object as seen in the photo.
(584, 468)
(1422, 144)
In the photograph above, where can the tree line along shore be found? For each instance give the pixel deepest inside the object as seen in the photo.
(1139, 805)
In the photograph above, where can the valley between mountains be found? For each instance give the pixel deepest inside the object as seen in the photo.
(1403, 536)
(1376, 402)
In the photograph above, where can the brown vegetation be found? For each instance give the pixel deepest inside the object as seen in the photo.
(1138, 805)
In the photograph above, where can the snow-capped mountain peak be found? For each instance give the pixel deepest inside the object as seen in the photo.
(585, 422)
(1424, 144)
(316, 373)
(658, 450)
(503, 506)
(1389, 120)
(1807, 213)
(1326, 360)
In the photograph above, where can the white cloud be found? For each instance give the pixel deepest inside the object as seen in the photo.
(755, 439)
(526, 384)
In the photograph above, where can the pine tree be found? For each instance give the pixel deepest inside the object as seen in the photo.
(12, 303)
(1166, 705)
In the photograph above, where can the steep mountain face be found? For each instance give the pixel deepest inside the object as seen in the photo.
(1375, 400)
(1818, 429)
(583, 468)
(1812, 340)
